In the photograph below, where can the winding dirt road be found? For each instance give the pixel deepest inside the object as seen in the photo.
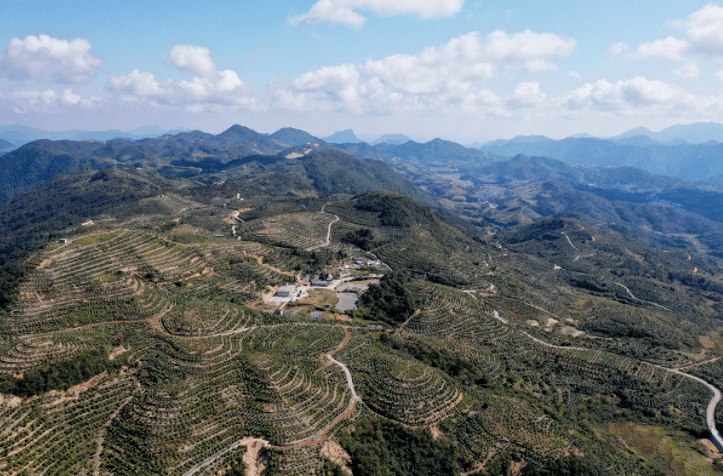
(349, 380)
(350, 411)
(710, 411)
(328, 232)
(641, 300)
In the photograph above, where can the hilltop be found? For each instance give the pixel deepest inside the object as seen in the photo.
(183, 154)
(200, 301)
(510, 347)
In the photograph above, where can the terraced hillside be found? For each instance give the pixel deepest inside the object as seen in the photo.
(191, 372)
(147, 344)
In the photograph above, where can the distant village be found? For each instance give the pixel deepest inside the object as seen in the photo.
(347, 283)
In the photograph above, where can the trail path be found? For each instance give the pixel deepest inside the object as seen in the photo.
(324, 434)
(583, 256)
(260, 261)
(710, 411)
(215, 456)
(568, 239)
(328, 232)
(349, 380)
(416, 313)
(647, 302)
(101, 437)
(698, 364)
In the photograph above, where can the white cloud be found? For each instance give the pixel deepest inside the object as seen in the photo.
(704, 30)
(539, 65)
(670, 48)
(48, 59)
(47, 102)
(439, 77)
(209, 89)
(345, 11)
(575, 74)
(527, 95)
(616, 49)
(636, 99)
(137, 85)
(526, 46)
(703, 36)
(690, 70)
(719, 75)
(195, 59)
(635, 96)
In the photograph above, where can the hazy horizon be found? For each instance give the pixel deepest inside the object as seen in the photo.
(462, 70)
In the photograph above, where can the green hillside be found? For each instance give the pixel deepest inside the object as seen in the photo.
(139, 332)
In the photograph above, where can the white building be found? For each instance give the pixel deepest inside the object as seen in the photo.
(286, 291)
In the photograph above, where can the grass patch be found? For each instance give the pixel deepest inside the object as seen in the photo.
(717, 339)
(671, 451)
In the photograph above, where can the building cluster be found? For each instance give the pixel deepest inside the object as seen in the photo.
(362, 262)
(292, 291)
(318, 281)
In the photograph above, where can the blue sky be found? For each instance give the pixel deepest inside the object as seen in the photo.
(465, 70)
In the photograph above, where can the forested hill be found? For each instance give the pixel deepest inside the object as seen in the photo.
(6, 147)
(688, 161)
(141, 335)
(41, 160)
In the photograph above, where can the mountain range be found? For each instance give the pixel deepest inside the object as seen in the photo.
(696, 133)
(348, 137)
(41, 160)
(18, 134)
(513, 315)
(689, 161)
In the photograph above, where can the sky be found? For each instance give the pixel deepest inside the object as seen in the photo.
(463, 70)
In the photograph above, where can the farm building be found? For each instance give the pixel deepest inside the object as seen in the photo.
(286, 291)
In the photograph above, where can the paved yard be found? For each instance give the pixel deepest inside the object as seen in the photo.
(347, 301)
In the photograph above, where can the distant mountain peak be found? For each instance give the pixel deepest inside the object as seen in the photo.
(695, 133)
(395, 139)
(343, 137)
(641, 139)
(238, 129)
(294, 137)
(531, 139)
(238, 133)
(638, 131)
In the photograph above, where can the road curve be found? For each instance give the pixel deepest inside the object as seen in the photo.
(355, 399)
(710, 410)
(638, 299)
(328, 232)
(349, 380)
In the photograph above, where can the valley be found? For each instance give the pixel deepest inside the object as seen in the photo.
(161, 320)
